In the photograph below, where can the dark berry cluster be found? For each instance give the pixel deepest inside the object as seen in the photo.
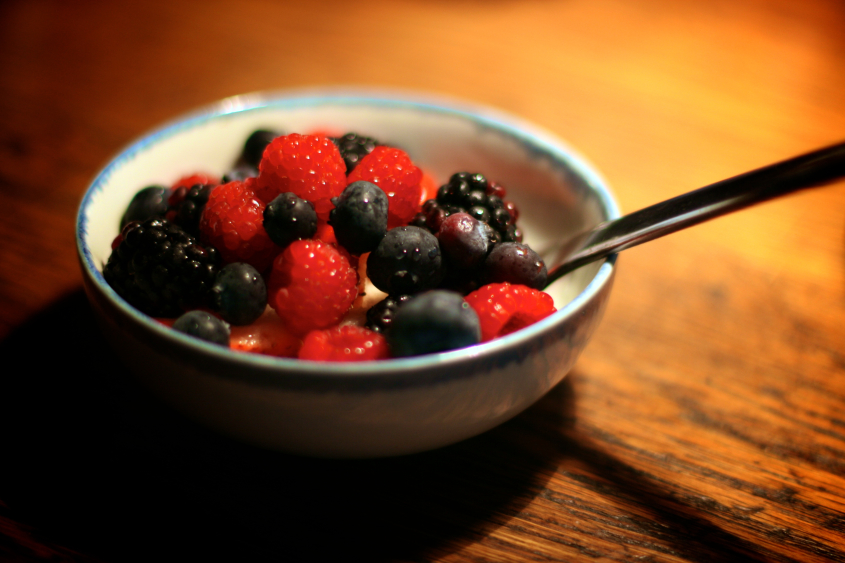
(475, 195)
(185, 205)
(160, 269)
(353, 147)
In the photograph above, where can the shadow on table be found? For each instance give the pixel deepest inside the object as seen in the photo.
(98, 465)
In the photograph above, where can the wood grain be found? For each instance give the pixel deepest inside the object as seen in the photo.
(705, 420)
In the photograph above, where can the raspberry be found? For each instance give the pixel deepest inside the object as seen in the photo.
(392, 170)
(347, 343)
(232, 221)
(312, 285)
(504, 308)
(310, 166)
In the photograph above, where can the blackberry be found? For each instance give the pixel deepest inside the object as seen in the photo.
(407, 260)
(185, 207)
(255, 144)
(359, 218)
(353, 147)
(434, 321)
(239, 294)
(475, 195)
(515, 263)
(288, 218)
(160, 269)
(148, 202)
(380, 315)
(204, 326)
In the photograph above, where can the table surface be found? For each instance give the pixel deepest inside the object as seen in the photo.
(704, 421)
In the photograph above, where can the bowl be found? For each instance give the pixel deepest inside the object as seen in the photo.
(376, 408)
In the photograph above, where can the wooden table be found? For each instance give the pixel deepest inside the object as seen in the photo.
(704, 422)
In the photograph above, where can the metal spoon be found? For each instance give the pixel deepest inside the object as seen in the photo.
(809, 170)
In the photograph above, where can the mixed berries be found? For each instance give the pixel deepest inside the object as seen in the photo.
(329, 248)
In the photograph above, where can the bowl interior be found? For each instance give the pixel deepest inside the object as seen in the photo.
(557, 193)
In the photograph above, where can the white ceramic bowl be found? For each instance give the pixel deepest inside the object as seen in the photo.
(378, 408)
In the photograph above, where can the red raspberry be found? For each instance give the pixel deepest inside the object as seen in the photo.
(233, 223)
(347, 343)
(268, 335)
(310, 166)
(194, 179)
(504, 308)
(392, 170)
(312, 285)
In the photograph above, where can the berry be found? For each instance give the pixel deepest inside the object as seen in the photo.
(312, 285)
(148, 202)
(346, 343)
(204, 326)
(503, 308)
(353, 148)
(239, 294)
(255, 145)
(267, 335)
(185, 206)
(380, 316)
(194, 179)
(407, 260)
(239, 174)
(310, 166)
(288, 218)
(475, 195)
(233, 222)
(359, 218)
(464, 241)
(391, 169)
(433, 321)
(516, 263)
(160, 269)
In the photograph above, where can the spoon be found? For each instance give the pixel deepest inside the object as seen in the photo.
(809, 170)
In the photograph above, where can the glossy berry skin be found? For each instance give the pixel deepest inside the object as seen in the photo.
(233, 222)
(516, 263)
(312, 285)
(160, 269)
(407, 260)
(380, 316)
(204, 326)
(255, 145)
(239, 294)
(353, 148)
(185, 206)
(464, 241)
(147, 203)
(308, 165)
(504, 308)
(433, 321)
(288, 218)
(359, 218)
(346, 343)
(392, 170)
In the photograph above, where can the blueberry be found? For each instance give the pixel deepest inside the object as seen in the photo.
(147, 203)
(464, 241)
(514, 262)
(407, 260)
(433, 321)
(288, 218)
(239, 174)
(239, 294)
(204, 326)
(359, 218)
(255, 145)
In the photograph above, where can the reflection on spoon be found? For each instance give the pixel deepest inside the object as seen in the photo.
(812, 169)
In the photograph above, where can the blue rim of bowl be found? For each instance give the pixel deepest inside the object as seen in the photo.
(529, 135)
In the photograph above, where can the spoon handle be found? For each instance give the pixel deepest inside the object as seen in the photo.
(812, 169)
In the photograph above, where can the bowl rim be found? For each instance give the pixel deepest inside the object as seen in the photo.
(522, 131)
